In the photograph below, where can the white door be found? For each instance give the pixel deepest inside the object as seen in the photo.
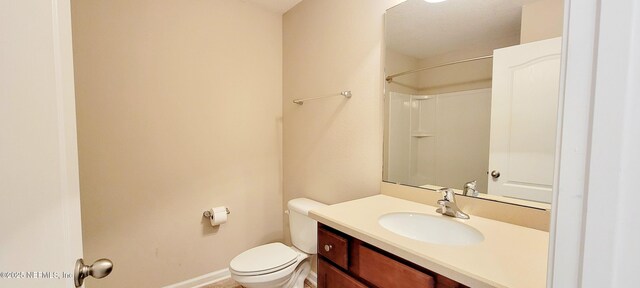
(523, 120)
(40, 236)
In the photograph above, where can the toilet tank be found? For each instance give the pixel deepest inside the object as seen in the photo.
(303, 229)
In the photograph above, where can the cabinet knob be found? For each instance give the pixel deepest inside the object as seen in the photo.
(327, 247)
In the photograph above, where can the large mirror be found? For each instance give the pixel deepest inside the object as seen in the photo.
(471, 97)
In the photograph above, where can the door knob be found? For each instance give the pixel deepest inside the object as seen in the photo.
(495, 174)
(98, 269)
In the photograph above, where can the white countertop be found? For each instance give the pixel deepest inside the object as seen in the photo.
(509, 256)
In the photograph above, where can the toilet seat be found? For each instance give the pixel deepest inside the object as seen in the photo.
(264, 259)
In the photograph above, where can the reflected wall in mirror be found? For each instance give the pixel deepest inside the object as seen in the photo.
(471, 97)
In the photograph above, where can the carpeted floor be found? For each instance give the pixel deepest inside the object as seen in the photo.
(229, 283)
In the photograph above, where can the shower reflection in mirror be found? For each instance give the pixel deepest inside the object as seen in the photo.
(471, 95)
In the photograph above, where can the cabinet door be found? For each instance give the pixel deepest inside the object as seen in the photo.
(385, 272)
(524, 104)
(331, 277)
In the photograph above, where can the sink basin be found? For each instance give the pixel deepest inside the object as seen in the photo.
(430, 229)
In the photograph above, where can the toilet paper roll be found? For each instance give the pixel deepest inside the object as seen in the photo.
(218, 215)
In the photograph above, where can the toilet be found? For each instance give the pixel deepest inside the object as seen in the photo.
(275, 264)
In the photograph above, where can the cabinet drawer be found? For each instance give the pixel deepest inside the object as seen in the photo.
(385, 272)
(444, 282)
(333, 247)
(332, 277)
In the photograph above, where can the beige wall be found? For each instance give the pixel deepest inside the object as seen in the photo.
(332, 149)
(542, 20)
(396, 62)
(179, 109)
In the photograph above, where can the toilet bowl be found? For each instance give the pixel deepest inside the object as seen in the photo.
(276, 265)
(270, 265)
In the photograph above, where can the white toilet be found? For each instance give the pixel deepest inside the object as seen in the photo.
(275, 264)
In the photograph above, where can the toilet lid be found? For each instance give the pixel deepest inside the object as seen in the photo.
(264, 259)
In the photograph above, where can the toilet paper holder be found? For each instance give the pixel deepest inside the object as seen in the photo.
(208, 214)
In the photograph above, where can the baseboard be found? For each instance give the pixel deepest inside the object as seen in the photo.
(203, 280)
(313, 279)
(221, 275)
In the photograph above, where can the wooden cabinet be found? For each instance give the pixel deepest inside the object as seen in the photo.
(382, 271)
(332, 277)
(333, 247)
(346, 262)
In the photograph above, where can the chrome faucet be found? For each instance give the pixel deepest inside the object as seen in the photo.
(470, 189)
(448, 204)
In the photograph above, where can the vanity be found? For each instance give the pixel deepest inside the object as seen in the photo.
(355, 250)
(345, 259)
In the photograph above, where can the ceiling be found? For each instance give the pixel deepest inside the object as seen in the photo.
(422, 30)
(278, 6)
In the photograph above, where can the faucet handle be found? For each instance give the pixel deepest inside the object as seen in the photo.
(470, 188)
(448, 206)
(471, 184)
(447, 194)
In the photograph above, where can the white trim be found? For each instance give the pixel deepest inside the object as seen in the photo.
(594, 231)
(222, 275)
(612, 130)
(609, 133)
(574, 111)
(203, 280)
(313, 279)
